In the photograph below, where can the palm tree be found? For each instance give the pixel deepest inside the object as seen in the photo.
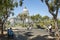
(38, 17)
(23, 17)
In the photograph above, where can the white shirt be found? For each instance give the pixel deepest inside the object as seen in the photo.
(50, 27)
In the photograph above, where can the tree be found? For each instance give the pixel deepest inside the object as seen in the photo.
(53, 7)
(33, 18)
(6, 7)
(23, 17)
(45, 17)
(36, 17)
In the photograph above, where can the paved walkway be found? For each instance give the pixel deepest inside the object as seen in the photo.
(31, 34)
(23, 34)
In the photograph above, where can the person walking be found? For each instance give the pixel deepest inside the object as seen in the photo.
(50, 28)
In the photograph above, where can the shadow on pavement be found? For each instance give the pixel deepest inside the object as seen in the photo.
(25, 36)
(4, 37)
(28, 34)
(41, 38)
(19, 37)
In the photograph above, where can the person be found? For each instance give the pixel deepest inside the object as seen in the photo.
(29, 27)
(50, 28)
(10, 33)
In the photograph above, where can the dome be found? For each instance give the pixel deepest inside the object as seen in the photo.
(25, 9)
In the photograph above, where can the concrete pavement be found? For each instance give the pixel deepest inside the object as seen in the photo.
(34, 33)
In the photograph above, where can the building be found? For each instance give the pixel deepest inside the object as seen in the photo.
(17, 20)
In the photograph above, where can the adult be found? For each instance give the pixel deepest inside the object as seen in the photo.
(10, 33)
(50, 29)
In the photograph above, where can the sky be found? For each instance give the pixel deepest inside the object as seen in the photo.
(34, 7)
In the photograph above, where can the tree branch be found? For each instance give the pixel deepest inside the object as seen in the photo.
(57, 8)
(46, 1)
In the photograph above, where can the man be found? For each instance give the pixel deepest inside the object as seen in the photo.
(10, 33)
